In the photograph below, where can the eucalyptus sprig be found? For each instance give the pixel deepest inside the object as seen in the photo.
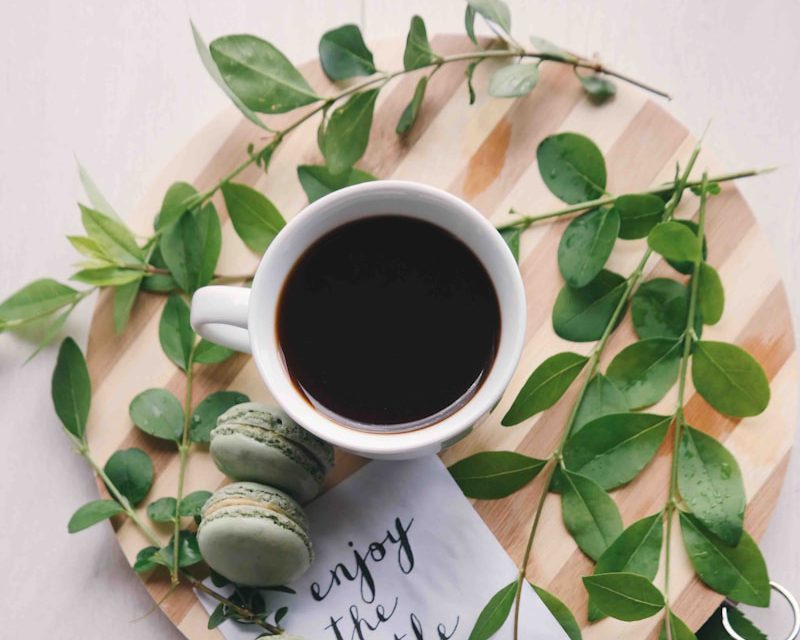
(607, 440)
(128, 477)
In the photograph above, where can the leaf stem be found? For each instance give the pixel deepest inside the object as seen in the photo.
(245, 613)
(525, 221)
(82, 447)
(384, 77)
(680, 419)
(183, 453)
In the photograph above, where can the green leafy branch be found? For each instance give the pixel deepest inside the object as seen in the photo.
(128, 477)
(606, 441)
(182, 252)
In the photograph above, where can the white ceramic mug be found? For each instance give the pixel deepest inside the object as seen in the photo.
(244, 319)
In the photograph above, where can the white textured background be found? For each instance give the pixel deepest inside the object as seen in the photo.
(120, 85)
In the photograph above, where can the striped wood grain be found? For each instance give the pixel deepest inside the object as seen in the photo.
(485, 154)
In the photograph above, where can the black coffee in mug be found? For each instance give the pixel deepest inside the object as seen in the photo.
(388, 323)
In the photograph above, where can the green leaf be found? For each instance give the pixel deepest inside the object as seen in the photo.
(638, 213)
(511, 236)
(192, 504)
(495, 613)
(92, 513)
(590, 515)
(188, 550)
(599, 88)
(35, 300)
(560, 612)
(514, 80)
(159, 413)
(214, 72)
(96, 198)
(53, 327)
(89, 248)
(545, 386)
(674, 241)
(713, 629)
(743, 626)
(184, 248)
(636, 550)
(581, 315)
(659, 309)
(678, 629)
(601, 398)
(124, 299)
(613, 450)
(737, 572)
(572, 167)
(163, 510)
(209, 353)
(410, 113)
(159, 283)
(204, 418)
(107, 276)
(147, 559)
(711, 485)
(210, 242)
(318, 181)
(469, 24)
(586, 245)
(418, 52)
(495, 11)
(625, 596)
(255, 218)
(344, 54)
(729, 379)
(543, 45)
(175, 332)
(217, 617)
(347, 132)
(469, 72)
(260, 75)
(131, 472)
(687, 267)
(179, 198)
(72, 388)
(710, 294)
(114, 237)
(646, 370)
(490, 475)
(711, 188)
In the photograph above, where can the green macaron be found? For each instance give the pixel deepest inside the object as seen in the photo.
(262, 444)
(255, 535)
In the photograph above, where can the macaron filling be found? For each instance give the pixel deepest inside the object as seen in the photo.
(256, 495)
(262, 511)
(293, 451)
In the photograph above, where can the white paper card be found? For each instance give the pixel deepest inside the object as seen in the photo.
(400, 555)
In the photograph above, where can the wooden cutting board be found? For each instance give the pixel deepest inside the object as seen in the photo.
(486, 154)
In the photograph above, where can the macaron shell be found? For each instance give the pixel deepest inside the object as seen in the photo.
(254, 547)
(272, 461)
(275, 419)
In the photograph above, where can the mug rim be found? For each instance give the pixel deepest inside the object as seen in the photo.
(275, 267)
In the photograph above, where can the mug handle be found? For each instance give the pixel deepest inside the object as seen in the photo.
(219, 314)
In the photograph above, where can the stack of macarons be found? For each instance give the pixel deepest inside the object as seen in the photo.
(254, 531)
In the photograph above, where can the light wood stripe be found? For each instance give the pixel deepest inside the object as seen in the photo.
(486, 154)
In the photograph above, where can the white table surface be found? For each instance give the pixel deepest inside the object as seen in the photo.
(120, 85)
